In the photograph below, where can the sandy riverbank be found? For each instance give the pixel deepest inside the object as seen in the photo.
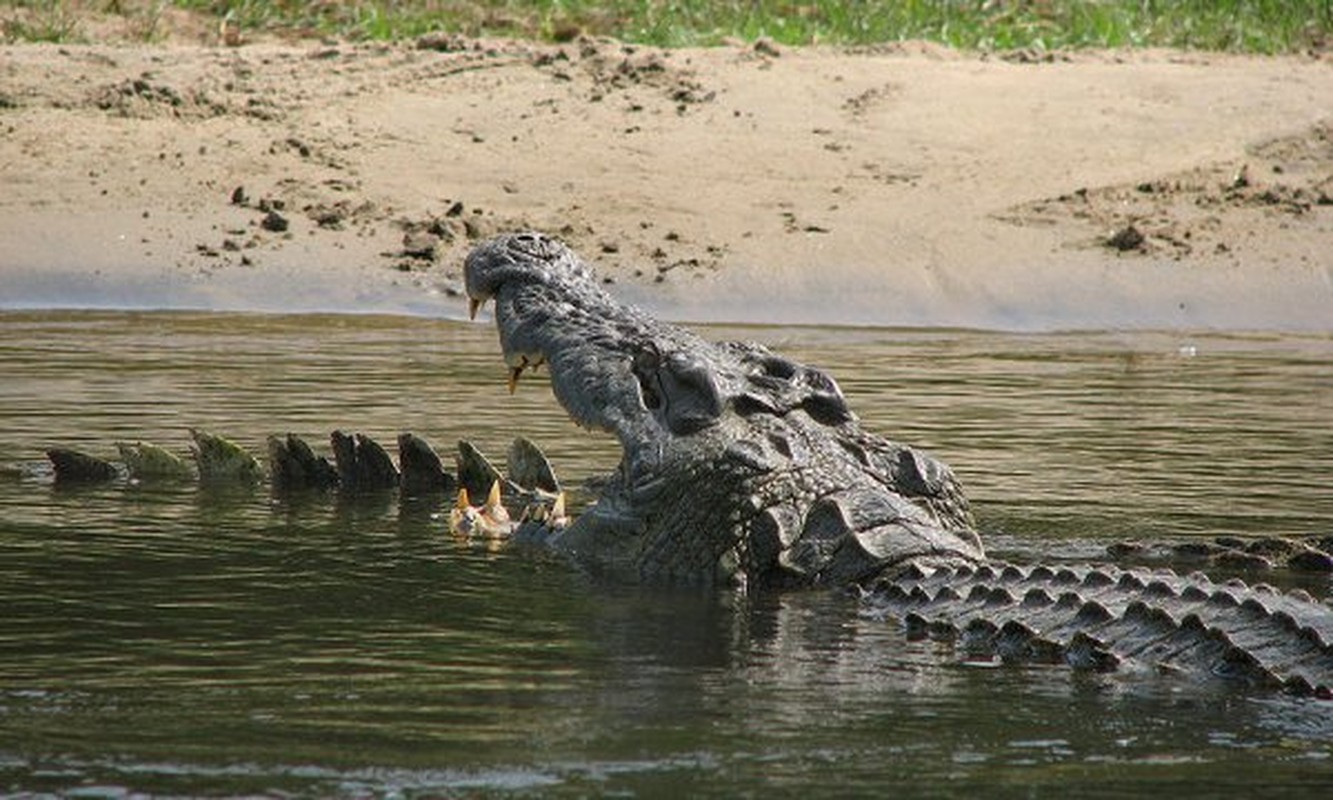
(907, 185)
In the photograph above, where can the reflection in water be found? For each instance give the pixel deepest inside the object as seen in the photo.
(184, 640)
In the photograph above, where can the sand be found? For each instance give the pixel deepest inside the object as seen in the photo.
(907, 185)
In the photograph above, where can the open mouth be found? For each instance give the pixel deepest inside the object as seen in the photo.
(734, 458)
(612, 367)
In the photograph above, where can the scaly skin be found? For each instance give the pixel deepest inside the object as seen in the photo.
(742, 466)
(739, 465)
(1105, 618)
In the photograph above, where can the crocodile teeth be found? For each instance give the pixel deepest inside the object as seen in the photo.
(460, 516)
(519, 362)
(493, 508)
(490, 521)
(473, 305)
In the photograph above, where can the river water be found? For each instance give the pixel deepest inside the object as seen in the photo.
(187, 641)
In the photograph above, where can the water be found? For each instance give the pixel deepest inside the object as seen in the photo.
(186, 641)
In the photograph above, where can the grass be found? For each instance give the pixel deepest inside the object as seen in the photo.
(47, 21)
(1253, 26)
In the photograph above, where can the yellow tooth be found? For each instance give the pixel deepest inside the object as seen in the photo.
(514, 373)
(460, 521)
(558, 507)
(473, 304)
(495, 513)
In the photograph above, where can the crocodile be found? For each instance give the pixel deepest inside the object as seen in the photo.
(743, 467)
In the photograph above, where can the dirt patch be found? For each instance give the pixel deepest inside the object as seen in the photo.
(1283, 184)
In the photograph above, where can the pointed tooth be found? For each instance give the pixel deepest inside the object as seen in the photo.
(514, 373)
(558, 507)
(473, 305)
(494, 511)
(460, 515)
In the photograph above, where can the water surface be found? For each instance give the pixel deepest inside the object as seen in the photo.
(184, 640)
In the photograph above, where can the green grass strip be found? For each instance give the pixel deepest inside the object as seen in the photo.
(1250, 26)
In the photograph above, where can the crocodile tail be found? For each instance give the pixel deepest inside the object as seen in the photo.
(1105, 618)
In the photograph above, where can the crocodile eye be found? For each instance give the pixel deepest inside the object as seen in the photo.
(827, 409)
(779, 367)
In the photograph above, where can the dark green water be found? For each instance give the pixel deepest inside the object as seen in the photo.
(183, 641)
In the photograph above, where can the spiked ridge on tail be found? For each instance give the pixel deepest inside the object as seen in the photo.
(362, 462)
(74, 466)
(221, 460)
(145, 461)
(293, 465)
(422, 470)
(1104, 618)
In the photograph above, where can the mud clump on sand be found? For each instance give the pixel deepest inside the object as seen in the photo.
(1286, 182)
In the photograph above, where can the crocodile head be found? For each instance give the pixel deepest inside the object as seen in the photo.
(739, 465)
